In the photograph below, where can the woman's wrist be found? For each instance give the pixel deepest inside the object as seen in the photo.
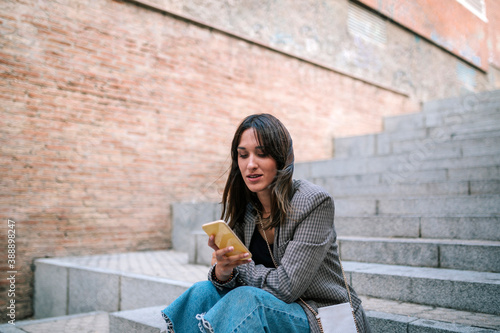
(221, 281)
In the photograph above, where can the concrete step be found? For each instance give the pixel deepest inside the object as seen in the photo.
(110, 283)
(485, 205)
(403, 166)
(394, 316)
(430, 285)
(436, 141)
(473, 255)
(482, 180)
(97, 322)
(481, 256)
(439, 206)
(449, 120)
(475, 226)
(140, 297)
(452, 188)
(465, 146)
(467, 102)
(403, 317)
(448, 288)
(445, 112)
(385, 316)
(454, 227)
(145, 320)
(443, 107)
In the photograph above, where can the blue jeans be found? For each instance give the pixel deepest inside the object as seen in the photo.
(204, 308)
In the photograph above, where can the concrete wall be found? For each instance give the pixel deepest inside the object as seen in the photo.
(416, 62)
(448, 24)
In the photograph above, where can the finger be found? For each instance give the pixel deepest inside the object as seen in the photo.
(223, 258)
(236, 260)
(231, 265)
(224, 251)
(242, 262)
(238, 257)
(211, 243)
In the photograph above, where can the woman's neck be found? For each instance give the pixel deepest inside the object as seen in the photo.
(265, 201)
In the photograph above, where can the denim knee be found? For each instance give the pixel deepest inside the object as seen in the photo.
(249, 295)
(203, 288)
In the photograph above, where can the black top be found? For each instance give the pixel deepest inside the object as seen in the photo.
(259, 250)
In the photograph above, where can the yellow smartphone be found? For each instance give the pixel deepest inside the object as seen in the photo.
(224, 237)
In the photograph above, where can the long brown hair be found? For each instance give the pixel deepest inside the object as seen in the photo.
(277, 143)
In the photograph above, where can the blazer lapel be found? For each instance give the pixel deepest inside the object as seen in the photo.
(249, 225)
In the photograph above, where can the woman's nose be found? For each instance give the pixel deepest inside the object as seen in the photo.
(252, 163)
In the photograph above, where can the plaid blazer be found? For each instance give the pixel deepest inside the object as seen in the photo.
(305, 250)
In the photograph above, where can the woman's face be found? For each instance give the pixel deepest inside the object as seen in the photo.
(257, 168)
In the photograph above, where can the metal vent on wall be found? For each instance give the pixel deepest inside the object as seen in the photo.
(466, 75)
(365, 24)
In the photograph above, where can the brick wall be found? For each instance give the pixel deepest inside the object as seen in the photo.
(111, 111)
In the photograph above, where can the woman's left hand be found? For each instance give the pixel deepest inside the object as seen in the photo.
(225, 264)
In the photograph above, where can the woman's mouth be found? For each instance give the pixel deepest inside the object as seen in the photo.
(254, 178)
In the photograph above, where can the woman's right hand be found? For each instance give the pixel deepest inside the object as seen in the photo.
(225, 264)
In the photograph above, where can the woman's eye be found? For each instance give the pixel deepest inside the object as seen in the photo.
(243, 156)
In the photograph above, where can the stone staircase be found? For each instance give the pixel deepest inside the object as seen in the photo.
(417, 217)
(418, 206)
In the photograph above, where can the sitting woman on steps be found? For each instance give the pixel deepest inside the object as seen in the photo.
(288, 227)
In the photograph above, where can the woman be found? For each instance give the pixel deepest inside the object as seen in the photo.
(270, 212)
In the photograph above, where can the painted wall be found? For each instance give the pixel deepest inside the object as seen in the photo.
(403, 60)
(447, 23)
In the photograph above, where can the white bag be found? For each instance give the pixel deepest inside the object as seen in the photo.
(337, 318)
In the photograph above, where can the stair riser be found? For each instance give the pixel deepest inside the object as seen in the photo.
(467, 103)
(402, 165)
(481, 228)
(483, 258)
(414, 190)
(467, 228)
(418, 254)
(188, 217)
(486, 205)
(451, 206)
(482, 180)
(148, 321)
(145, 320)
(473, 228)
(456, 148)
(457, 118)
(438, 143)
(381, 322)
(463, 121)
(62, 290)
(467, 296)
(411, 190)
